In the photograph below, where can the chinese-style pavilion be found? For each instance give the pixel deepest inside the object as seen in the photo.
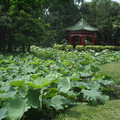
(82, 29)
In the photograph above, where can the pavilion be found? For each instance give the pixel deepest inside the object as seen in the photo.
(82, 29)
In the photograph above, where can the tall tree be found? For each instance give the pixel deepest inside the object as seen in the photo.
(23, 21)
(28, 25)
(61, 14)
(116, 30)
(102, 14)
(5, 25)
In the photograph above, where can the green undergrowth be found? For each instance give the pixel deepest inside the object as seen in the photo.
(113, 70)
(43, 86)
(109, 111)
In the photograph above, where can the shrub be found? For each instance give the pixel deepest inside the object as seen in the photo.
(117, 48)
(59, 47)
(68, 47)
(80, 48)
(110, 47)
(88, 47)
(98, 48)
(44, 53)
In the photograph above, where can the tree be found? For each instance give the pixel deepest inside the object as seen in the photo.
(61, 14)
(5, 25)
(116, 30)
(28, 25)
(35, 22)
(24, 23)
(102, 14)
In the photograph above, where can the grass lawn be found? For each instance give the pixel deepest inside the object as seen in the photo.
(109, 111)
(113, 70)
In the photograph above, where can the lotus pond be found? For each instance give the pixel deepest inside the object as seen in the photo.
(47, 81)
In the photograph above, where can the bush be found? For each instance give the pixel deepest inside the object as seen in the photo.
(59, 47)
(44, 53)
(88, 47)
(98, 48)
(117, 48)
(68, 47)
(110, 47)
(80, 48)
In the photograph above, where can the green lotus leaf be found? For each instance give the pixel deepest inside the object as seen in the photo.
(3, 113)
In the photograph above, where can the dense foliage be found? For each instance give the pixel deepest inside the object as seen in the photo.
(43, 22)
(21, 24)
(51, 80)
(55, 80)
(96, 48)
(103, 14)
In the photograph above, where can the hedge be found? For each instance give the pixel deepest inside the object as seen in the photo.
(68, 47)
(80, 48)
(59, 47)
(97, 48)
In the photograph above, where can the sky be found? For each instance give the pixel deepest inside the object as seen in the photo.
(113, 0)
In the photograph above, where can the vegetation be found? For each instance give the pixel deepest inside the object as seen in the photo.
(109, 111)
(43, 22)
(113, 70)
(46, 81)
(103, 14)
(80, 48)
(21, 24)
(33, 85)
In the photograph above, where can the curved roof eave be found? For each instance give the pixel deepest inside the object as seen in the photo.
(82, 25)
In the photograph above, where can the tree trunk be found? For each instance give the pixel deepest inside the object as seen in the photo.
(28, 48)
(23, 48)
(9, 46)
(2, 44)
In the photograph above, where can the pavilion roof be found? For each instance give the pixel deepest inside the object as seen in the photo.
(82, 25)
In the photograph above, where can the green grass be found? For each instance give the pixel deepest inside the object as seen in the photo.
(113, 70)
(109, 111)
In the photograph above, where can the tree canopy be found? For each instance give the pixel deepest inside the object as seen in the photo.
(42, 22)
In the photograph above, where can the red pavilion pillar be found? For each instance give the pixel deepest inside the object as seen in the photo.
(82, 39)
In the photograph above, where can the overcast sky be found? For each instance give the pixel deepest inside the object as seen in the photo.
(113, 0)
